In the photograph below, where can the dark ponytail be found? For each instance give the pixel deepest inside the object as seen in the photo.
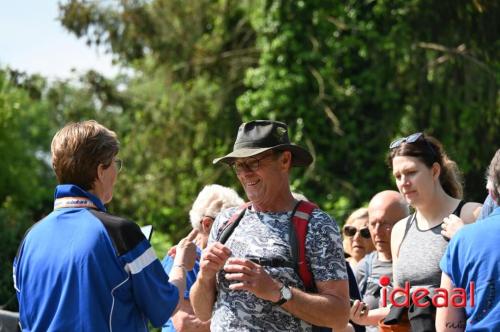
(451, 178)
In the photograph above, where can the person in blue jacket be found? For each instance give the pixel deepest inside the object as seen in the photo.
(83, 269)
(211, 200)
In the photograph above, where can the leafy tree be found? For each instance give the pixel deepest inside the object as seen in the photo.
(351, 76)
(348, 77)
(188, 60)
(25, 181)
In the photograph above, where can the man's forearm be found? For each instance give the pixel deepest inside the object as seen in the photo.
(319, 309)
(449, 319)
(190, 323)
(187, 322)
(202, 296)
(373, 317)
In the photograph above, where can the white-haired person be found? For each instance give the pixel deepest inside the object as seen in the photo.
(211, 200)
(471, 262)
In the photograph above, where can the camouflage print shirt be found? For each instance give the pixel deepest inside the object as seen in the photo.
(265, 234)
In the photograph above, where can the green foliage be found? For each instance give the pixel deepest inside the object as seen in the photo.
(13, 221)
(25, 181)
(188, 59)
(347, 77)
(350, 76)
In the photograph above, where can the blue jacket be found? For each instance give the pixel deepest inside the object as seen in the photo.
(82, 269)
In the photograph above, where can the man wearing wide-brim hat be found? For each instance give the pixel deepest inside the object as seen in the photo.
(239, 294)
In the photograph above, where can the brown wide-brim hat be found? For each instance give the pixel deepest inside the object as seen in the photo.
(258, 136)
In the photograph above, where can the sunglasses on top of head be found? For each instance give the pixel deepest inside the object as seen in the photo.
(411, 139)
(350, 231)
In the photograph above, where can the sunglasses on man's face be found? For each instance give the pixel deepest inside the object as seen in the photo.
(350, 231)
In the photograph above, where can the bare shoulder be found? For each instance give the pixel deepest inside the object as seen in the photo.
(397, 236)
(470, 211)
(399, 228)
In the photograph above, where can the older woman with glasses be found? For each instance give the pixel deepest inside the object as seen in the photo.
(83, 269)
(357, 240)
(429, 181)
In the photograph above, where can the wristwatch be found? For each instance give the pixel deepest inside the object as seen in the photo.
(286, 295)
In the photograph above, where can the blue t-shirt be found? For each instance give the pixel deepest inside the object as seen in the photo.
(168, 263)
(489, 206)
(473, 255)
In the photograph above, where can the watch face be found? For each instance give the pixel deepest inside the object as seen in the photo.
(286, 293)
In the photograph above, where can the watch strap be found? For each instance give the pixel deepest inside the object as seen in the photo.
(280, 302)
(282, 299)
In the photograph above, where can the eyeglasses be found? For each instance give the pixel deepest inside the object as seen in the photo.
(118, 164)
(251, 164)
(411, 139)
(384, 225)
(350, 231)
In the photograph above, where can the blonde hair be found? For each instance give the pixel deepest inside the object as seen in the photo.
(78, 149)
(361, 213)
(211, 200)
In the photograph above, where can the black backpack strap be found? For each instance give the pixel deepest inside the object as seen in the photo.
(459, 208)
(271, 262)
(232, 222)
(294, 246)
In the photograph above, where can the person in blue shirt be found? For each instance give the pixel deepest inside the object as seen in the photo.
(211, 200)
(471, 262)
(488, 206)
(83, 269)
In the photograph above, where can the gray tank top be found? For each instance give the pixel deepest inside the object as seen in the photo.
(419, 256)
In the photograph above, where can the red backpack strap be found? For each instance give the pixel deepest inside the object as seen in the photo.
(232, 222)
(300, 221)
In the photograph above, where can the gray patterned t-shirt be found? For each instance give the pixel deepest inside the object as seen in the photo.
(266, 235)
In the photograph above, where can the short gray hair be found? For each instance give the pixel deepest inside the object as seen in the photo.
(211, 200)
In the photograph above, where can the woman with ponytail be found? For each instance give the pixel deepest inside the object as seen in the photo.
(431, 183)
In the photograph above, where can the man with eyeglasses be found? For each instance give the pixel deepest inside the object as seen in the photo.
(239, 294)
(384, 210)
